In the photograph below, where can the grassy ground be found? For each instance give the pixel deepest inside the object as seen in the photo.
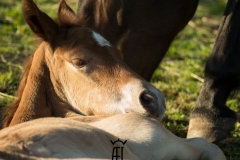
(179, 76)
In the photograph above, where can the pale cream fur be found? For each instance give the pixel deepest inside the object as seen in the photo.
(66, 138)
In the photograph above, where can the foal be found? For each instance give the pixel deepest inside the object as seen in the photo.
(75, 71)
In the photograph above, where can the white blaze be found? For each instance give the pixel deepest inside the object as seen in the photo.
(100, 40)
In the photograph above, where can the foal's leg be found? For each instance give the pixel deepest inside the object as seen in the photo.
(148, 139)
(211, 118)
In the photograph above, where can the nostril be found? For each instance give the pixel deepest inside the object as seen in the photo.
(147, 100)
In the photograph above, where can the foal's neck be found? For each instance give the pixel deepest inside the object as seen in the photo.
(33, 103)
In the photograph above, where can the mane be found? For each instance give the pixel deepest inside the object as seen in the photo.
(10, 110)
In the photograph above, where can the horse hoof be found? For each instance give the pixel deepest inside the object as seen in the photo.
(212, 130)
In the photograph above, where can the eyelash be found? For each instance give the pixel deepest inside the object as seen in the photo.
(79, 63)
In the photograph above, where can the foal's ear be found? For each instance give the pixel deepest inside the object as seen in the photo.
(66, 15)
(40, 23)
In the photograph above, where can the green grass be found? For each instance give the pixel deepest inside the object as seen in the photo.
(179, 76)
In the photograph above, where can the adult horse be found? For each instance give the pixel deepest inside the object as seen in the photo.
(141, 30)
(72, 59)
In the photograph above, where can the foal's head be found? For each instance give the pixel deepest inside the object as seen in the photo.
(81, 70)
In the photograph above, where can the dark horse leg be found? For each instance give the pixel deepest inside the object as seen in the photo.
(211, 118)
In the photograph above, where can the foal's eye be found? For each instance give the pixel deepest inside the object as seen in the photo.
(79, 63)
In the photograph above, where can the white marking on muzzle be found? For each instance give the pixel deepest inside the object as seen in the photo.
(100, 40)
(127, 100)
